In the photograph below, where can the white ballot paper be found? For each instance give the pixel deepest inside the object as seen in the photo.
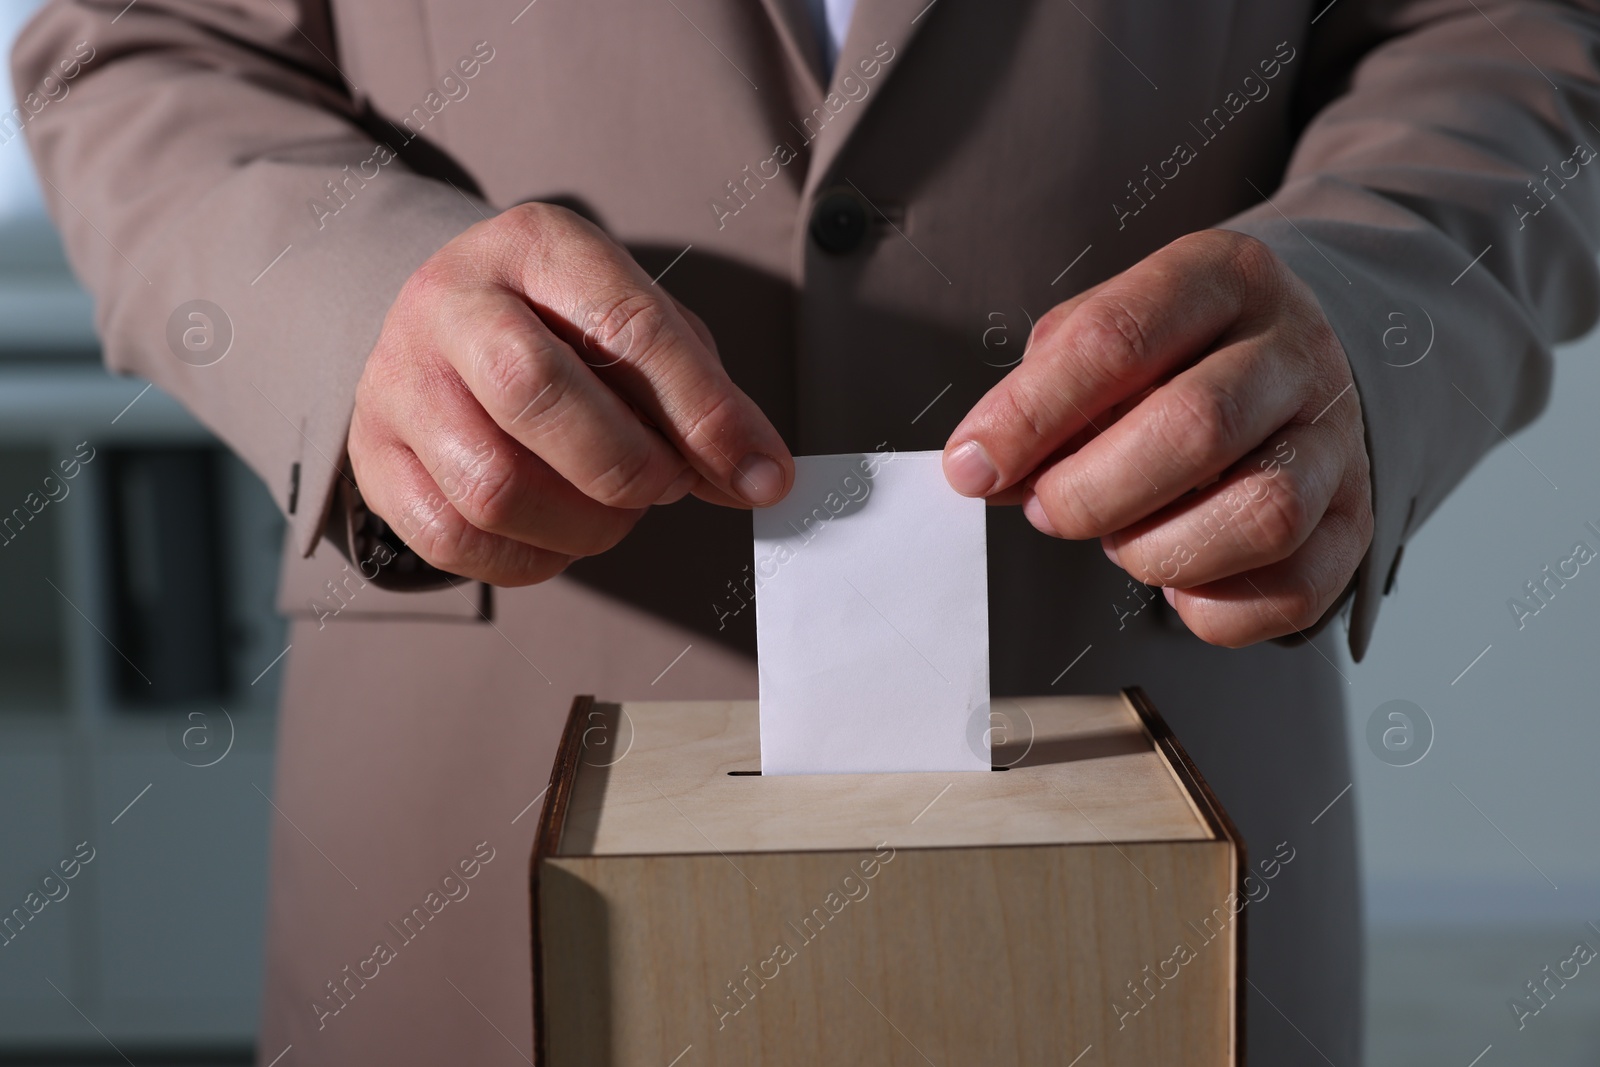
(872, 619)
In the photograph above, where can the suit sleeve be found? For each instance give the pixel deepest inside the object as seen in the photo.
(239, 215)
(1443, 198)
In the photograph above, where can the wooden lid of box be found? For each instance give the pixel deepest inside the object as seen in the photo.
(683, 777)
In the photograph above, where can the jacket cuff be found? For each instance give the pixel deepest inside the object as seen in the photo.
(371, 544)
(385, 255)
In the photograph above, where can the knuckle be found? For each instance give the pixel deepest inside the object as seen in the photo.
(715, 418)
(385, 363)
(428, 283)
(1076, 520)
(1027, 410)
(528, 212)
(1202, 421)
(523, 374)
(1211, 623)
(439, 535)
(530, 217)
(366, 415)
(1116, 339)
(533, 233)
(1142, 561)
(489, 496)
(1072, 512)
(1049, 326)
(1280, 519)
(1300, 602)
(624, 326)
(627, 482)
(1253, 259)
(1349, 524)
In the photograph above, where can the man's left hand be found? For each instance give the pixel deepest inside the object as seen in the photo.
(1197, 414)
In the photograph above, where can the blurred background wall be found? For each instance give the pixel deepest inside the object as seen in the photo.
(1478, 806)
(1483, 857)
(156, 941)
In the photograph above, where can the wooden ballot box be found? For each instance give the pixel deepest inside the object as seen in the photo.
(1080, 906)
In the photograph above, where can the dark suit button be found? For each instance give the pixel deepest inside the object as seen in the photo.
(839, 222)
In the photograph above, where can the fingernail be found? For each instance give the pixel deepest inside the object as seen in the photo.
(1171, 594)
(760, 479)
(1033, 509)
(1110, 550)
(969, 470)
(680, 487)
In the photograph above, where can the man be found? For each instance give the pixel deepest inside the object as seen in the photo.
(438, 239)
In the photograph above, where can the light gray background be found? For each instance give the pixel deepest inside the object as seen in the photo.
(1519, 732)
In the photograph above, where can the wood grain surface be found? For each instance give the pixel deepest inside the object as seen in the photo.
(654, 778)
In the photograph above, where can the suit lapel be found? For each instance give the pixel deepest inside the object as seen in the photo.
(878, 28)
(794, 27)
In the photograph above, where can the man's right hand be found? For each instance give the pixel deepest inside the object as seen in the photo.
(533, 392)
